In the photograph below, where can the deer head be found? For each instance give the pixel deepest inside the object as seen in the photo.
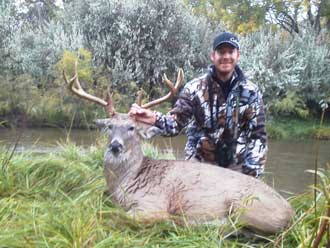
(123, 131)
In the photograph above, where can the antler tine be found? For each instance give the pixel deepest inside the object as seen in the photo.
(110, 109)
(173, 90)
(75, 88)
(179, 80)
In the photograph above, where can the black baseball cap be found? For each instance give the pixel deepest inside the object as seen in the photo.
(226, 38)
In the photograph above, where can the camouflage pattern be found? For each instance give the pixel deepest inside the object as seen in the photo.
(203, 98)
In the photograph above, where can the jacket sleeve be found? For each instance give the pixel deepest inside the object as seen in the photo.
(174, 121)
(256, 147)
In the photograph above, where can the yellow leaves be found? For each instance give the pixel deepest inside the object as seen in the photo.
(67, 62)
(249, 27)
(242, 16)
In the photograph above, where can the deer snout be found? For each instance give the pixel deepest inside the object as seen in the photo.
(115, 147)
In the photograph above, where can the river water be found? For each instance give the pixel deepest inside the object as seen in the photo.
(286, 167)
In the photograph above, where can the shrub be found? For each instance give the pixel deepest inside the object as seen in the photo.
(293, 72)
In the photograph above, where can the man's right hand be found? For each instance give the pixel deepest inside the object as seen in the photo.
(142, 115)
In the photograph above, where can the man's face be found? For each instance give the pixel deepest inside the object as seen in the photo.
(225, 58)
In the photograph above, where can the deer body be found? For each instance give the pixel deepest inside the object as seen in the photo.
(158, 189)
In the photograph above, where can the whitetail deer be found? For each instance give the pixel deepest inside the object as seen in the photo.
(159, 189)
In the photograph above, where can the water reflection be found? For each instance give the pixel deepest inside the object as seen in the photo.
(286, 166)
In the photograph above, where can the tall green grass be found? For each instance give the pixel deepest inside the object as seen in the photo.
(60, 200)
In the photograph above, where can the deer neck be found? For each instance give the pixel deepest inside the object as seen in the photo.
(118, 169)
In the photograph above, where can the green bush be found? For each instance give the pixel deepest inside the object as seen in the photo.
(292, 71)
(275, 132)
(322, 133)
(129, 45)
(290, 105)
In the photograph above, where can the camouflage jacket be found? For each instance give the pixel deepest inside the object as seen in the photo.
(209, 114)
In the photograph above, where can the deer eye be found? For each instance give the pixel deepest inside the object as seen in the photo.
(109, 126)
(131, 128)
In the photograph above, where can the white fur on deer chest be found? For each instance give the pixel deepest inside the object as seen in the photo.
(142, 186)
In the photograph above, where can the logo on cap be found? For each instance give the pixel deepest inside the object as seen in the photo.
(232, 39)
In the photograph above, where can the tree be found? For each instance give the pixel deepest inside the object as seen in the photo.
(241, 16)
(37, 13)
(137, 41)
(8, 27)
(284, 13)
(325, 13)
(290, 14)
(292, 71)
(246, 16)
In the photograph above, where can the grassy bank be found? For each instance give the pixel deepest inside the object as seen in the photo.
(297, 129)
(60, 201)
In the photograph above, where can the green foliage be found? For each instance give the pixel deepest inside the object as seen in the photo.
(37, 13)
(239, 16)
(322, 133)
(290, 105)
(139, 40)
(83, 59)
(24, 104)
(289, 128)
(150, 151)
(8, 29)
(309, 215)
(248, 16)
(124, 48)
(129, 45)
(17, 94)
(275, 132)
(281, 64)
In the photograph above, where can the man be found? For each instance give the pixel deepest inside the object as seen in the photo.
(222, 111)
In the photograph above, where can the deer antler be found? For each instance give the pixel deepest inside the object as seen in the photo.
(75, 88)
(173, 90)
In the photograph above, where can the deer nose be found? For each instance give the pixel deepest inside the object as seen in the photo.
(115, 146)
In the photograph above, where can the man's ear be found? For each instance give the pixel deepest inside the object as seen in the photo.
(149, 132)
(212, 56)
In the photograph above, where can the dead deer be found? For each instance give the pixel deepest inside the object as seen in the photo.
(159, 189)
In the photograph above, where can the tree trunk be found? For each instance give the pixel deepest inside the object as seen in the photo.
(317, 23)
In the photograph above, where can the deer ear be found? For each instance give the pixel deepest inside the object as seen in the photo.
(101, 123)
(148, 133)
